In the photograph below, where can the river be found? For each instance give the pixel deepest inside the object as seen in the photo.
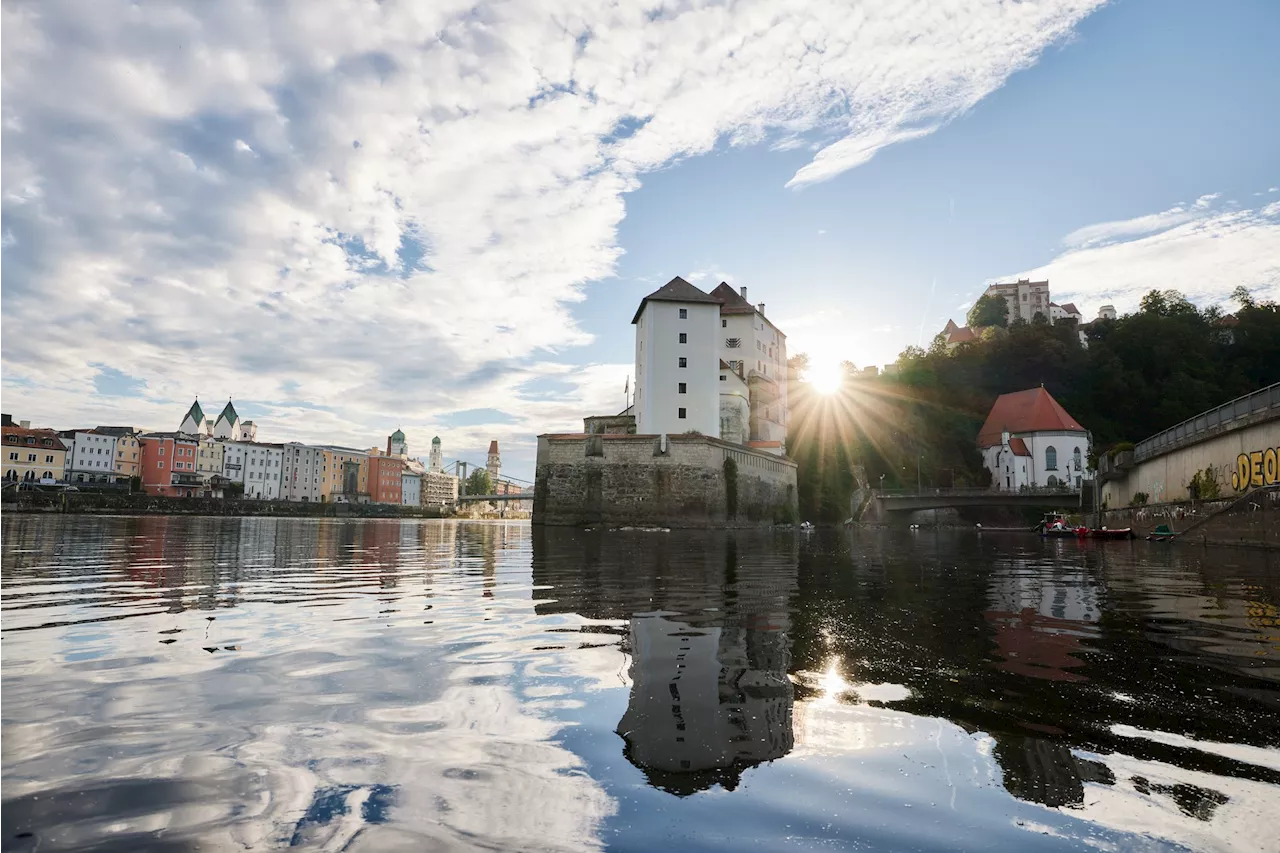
(177, 684)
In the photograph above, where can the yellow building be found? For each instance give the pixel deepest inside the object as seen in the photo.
(332, 465)
(128, 450)
(209, 458)
(31, 455)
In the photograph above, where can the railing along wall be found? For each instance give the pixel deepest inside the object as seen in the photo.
(1262, 400)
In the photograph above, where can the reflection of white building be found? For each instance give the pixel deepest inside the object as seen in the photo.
(1029, 441)
(705, 700)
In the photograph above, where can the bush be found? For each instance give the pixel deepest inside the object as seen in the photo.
(1119, 447)
(731, 487)
(1204, 485)
(1139, 499)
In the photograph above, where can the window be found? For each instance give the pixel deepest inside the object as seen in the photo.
(13, 439)
(684, 313)
(684, 338)
(31, 457)
(683, 388)
(680, 413)
(724, 324)
(684, 362)
(1050, 458)
(162, 450)
(1075, 460)
(733, 343)
(722, 378)
(13, 457)
(1024, 297)
(159, 464)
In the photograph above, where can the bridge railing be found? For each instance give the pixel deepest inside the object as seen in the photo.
(973, 491)
(1262, 400)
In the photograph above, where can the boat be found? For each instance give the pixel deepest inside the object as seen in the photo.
(1054, 526)
(1162, 533)
(1110, 533)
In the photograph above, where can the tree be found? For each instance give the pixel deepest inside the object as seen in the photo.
(989, 310)
(1243, 297)
(478, 483)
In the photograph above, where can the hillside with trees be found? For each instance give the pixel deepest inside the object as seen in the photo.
(1138, 374)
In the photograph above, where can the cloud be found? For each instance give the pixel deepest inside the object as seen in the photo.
(384, 209)
(1205, 250)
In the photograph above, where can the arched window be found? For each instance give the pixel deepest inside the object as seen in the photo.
(1075, 459)
(1053, 482)
(1050, 458)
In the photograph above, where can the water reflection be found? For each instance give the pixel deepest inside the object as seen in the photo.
(708, 624)
(174, 683)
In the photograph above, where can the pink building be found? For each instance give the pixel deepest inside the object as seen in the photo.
(168, 465)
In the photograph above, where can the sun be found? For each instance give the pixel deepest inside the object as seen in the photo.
(826, 378)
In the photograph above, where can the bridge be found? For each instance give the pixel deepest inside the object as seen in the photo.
(912, 500)
(513, 496)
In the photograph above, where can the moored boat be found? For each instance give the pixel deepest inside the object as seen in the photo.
(1111, 533)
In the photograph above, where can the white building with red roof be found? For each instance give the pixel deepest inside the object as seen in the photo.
(1030, 441)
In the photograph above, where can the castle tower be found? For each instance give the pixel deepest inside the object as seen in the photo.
(396, 445)
(494, 463)
(437, 457)
(193, 422)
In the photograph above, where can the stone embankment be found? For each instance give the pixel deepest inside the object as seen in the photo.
(1251, 520)
(118, 504)
(660, 481)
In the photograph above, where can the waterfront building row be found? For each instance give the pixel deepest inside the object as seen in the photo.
(222, 457)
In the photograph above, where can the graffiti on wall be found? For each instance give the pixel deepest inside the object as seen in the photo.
(1257, 468)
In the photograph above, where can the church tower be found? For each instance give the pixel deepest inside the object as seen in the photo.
(437, 457)
(193, 423)
(494, 463)
(396, 445)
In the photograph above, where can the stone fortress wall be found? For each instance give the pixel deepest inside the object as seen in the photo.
(664, 481)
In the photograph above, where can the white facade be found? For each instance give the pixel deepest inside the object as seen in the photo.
(437, 456)
(1107, 312)
(410, 489)
(303, 473)
(735, 407)
(753, 344)
(257, 466)
(1038, 460)
(677, 364)
(91, 457)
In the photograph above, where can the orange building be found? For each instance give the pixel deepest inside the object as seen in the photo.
(385, 479)
(168, 465)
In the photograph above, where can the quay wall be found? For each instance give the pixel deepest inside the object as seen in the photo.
(633, 480)
(1253, 521)
(130, 504)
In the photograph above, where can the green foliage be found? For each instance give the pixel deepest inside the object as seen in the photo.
(989, 310)
(478, 483)
(1204, 485)
(731, 487)
(1139, 374)
(1139, 499)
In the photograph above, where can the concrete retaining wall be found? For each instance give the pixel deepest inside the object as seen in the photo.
(137, 503)
(1252, 522)
(1164, 478)
(632, 480)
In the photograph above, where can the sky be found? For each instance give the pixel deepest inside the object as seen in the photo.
(352, 216)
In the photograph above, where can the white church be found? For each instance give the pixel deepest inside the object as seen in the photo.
(1030, 441)
(226, 426)
(710, 363)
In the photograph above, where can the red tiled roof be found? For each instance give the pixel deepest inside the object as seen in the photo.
(764, 444)
(1227, 320)
(731, 302)
(1019, 447)
(24, 433)
(1033, 410)
(961, 335)
(1071, 308)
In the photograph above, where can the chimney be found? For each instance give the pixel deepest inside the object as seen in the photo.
(743, 291)
(760, 308)
(25, 424)
(388, 445)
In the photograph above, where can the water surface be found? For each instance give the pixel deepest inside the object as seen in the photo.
(254, 684)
